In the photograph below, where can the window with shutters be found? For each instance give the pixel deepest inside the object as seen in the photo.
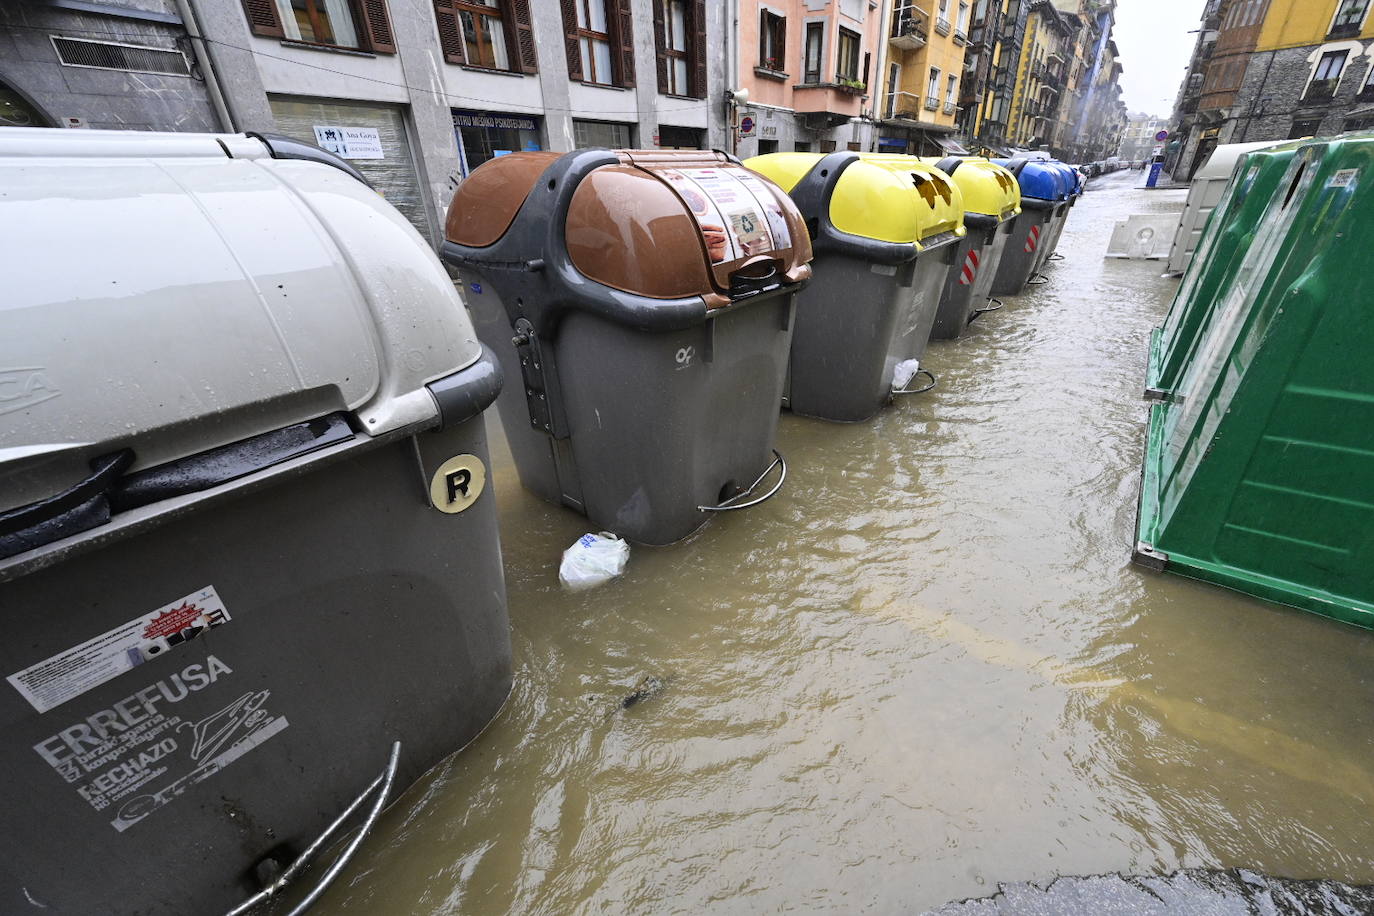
(680, 47)
(484, 34)
(358, 25)
(675, 48)
(594, 41)
(491, 34)
(320, 22)
(772, 41)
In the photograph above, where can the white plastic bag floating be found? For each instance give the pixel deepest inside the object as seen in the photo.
(904, 372)
(594, 559)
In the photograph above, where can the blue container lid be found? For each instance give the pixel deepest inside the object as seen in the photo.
(1040, 178)
(1071, 173)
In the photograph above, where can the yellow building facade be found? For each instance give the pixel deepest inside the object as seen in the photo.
(923, 66)
(1296, 23)
(1039, 78)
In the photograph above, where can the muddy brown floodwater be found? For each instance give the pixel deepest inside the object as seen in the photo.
(926, 667)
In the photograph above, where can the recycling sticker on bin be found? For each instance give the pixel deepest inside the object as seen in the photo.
(738, 215)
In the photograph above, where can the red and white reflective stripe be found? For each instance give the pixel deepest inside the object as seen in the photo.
(970, 268)
(1033, 239)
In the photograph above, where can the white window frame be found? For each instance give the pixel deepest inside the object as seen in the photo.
(1353, 50)
(1337, 11)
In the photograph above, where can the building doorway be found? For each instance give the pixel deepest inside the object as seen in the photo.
(17, 110)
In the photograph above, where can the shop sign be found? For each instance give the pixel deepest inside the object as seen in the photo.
(485, 119)
(350, 142)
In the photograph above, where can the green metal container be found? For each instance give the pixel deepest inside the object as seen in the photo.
(1226, 238)
(1259, 471)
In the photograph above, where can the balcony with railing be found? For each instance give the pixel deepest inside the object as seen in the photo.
(942, 26)
(1321, 90)
(1350, 16)
(932, 103)
(950, 107)
(910, 28)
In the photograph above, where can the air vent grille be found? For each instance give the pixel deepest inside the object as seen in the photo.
(110, 55)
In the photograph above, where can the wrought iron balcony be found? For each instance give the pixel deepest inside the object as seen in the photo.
(1321, 90)
(910, 28)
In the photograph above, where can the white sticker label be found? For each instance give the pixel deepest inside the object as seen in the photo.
(140, 753)
(1343, 179)
(350, 142)
(738, 214)
(66, 675)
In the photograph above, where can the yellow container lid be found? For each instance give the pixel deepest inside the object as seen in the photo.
(988, 188)
(889, 198)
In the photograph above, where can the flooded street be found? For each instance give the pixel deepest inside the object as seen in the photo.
(926, 667)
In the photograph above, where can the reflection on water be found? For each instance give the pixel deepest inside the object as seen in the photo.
(926, 667)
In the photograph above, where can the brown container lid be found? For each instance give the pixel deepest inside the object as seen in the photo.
(665, 224)
(486, 202)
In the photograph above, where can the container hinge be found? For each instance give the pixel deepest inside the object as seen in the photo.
(527, 347)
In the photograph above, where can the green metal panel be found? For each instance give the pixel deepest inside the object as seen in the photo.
(1259, 472)
(1226, 237)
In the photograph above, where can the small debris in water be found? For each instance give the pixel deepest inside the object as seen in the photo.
(647, 688)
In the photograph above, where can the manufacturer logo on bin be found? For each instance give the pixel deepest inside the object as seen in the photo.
(25, 387)
(684, 356)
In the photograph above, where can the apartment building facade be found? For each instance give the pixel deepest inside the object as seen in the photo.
(1274, 70)
(1311, 72)
(1138, 138)
(923, 72)
(809, 67)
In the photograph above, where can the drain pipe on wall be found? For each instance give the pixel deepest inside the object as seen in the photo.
(207, 69)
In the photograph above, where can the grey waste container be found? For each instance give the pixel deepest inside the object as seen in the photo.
(1044, 199)
(885, 229)
(992, 201)
(641, 303)
(246, 538)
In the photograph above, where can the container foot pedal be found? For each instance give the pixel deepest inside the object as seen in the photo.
(1056, 256)
(983, 311)
(381, 787)
(924, 388)
(731, 504)
(1037, 280)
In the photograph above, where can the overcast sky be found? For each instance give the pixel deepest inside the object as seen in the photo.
(1152, 36)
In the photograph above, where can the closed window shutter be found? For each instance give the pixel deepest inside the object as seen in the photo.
(377, 26)
(659, 47)
(570, 39)
(450, 34)
(520, 37)
(263, 19)
(623, 41)
(699, 48)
